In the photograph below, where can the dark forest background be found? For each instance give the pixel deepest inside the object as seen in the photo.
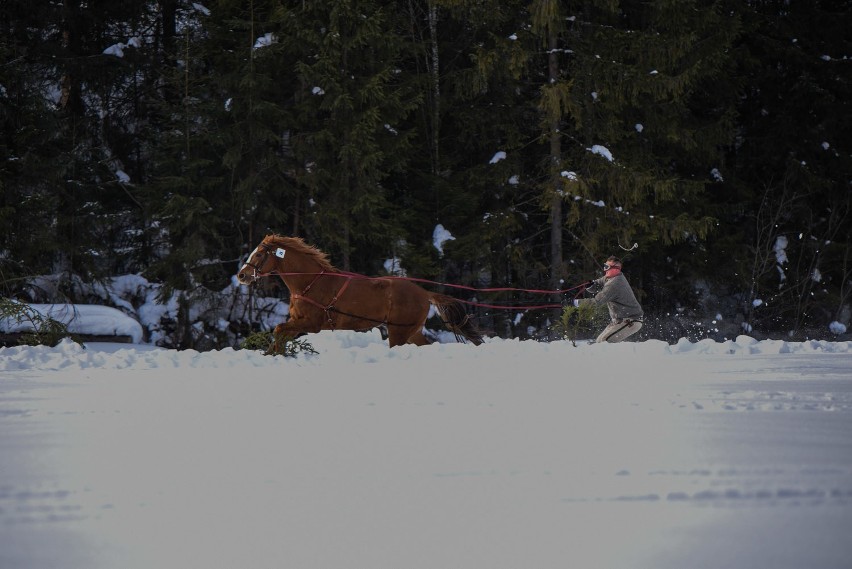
(166, 138)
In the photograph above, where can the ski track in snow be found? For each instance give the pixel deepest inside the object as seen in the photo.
(511, 454)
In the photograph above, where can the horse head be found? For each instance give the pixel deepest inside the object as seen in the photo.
(261, 262)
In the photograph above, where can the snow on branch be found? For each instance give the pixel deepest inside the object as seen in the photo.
(601, 151)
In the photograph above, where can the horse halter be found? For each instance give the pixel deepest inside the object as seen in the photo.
(260, 255)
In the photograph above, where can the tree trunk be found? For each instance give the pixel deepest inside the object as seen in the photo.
(556, 263)
(434, 72)
(70, 98)
(168, 11)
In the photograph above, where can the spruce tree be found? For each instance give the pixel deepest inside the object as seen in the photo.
(26, 151)
(254, 120)
(223, 174)
(61, 108)
(787, 196)
(485, 194)
(642, 138)
(184, 192)
(612, 111)
(350, 132)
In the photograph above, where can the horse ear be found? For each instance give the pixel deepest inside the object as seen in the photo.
(280, 253)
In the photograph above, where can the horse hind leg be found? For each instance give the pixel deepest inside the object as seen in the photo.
(418, 339)
(399, 335)
(408, 307)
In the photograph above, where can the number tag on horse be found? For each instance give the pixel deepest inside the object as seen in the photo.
(280, 253)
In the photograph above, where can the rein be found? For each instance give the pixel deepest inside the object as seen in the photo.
(349, 276)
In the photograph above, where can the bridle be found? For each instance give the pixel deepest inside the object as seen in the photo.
(260, 256)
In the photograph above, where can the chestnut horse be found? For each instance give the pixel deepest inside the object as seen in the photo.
(325, 298)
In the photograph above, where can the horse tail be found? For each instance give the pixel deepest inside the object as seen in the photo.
(456, 318)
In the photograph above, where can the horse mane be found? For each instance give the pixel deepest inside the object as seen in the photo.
(298, 245)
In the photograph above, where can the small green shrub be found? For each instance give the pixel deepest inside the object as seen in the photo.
(257, 341)
(45, 330)
(576, 320)
(285, 346)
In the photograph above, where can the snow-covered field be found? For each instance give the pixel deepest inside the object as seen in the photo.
(508, 455)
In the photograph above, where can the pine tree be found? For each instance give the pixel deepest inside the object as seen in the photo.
(487, 124)
(184, 193)
(642, 142)
(350, 134)
(64, 94)
(578, 82)
(254, 121)
(221, 177)
(787, 198)
(26, 151)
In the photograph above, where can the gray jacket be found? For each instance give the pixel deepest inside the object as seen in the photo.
(619, 298)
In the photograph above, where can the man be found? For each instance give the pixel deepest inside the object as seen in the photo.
(624, 309)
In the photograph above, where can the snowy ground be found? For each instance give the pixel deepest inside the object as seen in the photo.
(508, 455)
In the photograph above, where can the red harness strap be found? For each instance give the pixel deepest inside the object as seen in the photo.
(327, 309)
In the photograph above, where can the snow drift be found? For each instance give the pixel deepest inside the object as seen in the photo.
(511, 454)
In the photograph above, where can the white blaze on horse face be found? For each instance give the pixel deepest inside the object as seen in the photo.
(243, 276)
(251, 255)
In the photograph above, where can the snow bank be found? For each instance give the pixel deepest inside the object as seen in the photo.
(216, 315)
(370, 348)
(511, 454)
(88, 319)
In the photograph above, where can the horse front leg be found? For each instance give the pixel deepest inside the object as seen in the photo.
(290, 330)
